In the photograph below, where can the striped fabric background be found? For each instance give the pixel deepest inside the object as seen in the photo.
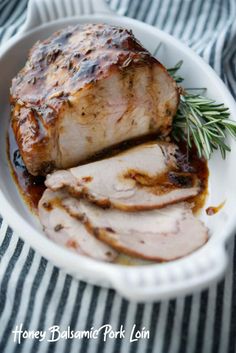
(35, 293)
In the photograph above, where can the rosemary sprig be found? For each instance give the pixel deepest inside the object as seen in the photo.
(173, 70)
(201, 121)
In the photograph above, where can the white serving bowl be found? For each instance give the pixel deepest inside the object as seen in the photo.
(142, 283)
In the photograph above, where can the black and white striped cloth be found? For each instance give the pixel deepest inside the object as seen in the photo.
(38, 295)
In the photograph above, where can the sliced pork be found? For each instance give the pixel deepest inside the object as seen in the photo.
(84, 89)
(159, 235)
(69, 231)
(142, 178)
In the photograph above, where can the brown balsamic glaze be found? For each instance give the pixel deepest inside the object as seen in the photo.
(189, 161)
(32, 187)
(212, 210)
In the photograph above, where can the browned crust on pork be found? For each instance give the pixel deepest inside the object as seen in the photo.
(57, 69)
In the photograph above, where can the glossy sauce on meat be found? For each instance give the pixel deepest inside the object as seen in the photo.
(97, 78)
(189, 161)
(32, 187)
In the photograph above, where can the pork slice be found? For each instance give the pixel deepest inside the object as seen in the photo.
(144, 177)
(159, 235)
(69, 231)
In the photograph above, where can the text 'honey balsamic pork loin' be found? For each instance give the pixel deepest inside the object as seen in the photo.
(84, 89)
(141, 178)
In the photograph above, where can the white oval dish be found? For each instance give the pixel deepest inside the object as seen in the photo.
(142, 283)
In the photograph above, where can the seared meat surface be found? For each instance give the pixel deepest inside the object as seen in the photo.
(141, 178)
(84, 89)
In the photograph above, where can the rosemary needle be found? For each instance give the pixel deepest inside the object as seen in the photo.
(201, 120)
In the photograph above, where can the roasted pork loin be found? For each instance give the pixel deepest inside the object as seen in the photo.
(67, 231)
(159, 235)
(141, 178)
(84, 89)
(145, 180)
